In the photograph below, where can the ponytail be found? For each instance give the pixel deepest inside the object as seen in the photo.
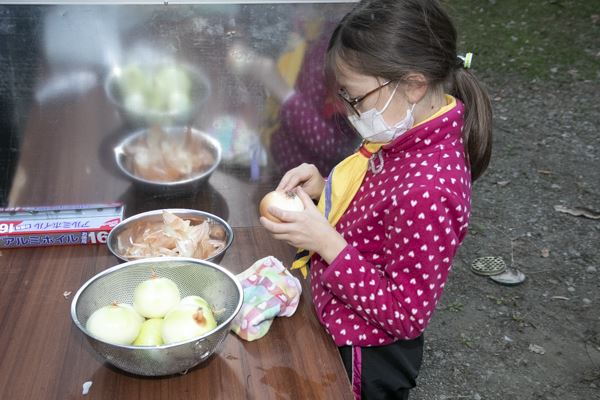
(477, 130)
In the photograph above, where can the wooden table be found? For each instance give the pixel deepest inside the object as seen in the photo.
(65, 159)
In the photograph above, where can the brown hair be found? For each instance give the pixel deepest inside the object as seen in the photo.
(392, 38)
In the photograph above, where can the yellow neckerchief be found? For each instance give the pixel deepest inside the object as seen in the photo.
(345, 180)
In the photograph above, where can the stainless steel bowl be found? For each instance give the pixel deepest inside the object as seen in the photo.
(156, 216)
(177, 133)
(199, 92)
(193, 277)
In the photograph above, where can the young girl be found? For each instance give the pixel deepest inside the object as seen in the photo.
(391, 216)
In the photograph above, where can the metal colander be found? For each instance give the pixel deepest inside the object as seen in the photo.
(215, 284)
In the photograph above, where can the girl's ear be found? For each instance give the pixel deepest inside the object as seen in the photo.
(416, 87)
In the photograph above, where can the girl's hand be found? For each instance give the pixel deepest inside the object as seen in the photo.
(306, 229)
(306, 176)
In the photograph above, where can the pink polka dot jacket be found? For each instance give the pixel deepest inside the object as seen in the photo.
(403, 228)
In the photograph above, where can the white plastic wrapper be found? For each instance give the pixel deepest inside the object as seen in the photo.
(86, 387)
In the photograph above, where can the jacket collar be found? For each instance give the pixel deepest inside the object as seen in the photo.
(442, 128)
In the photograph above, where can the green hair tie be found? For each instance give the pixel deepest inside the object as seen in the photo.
(467, 59)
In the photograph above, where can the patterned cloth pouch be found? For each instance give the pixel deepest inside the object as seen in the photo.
(269, 291)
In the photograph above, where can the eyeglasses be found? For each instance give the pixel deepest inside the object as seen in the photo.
(353, 101)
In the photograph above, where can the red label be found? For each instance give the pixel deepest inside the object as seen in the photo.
(111, 223)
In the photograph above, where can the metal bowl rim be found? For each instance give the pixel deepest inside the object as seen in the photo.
(140, 216)
(198, 73)
(110, 270)
(120, 153)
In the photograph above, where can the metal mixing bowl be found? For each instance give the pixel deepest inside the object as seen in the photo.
(156, 216)
(177, 133)
(199, 92)
(215, 284)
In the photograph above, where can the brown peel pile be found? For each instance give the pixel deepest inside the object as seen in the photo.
(162, 157)
(173, 236)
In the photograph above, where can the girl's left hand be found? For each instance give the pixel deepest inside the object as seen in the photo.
(306, 229)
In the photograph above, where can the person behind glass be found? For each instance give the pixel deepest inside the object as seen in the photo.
(391, 216)
(306, 126)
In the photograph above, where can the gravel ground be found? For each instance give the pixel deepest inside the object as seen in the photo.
(540, 339)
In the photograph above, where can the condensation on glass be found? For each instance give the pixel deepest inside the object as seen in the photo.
(250, 75)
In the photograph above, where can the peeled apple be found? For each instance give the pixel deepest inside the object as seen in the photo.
(154, 297)
(286, 200)
(115, 323)
(191, 319)
(150, 333)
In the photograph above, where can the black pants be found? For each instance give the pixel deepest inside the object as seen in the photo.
(386, 372)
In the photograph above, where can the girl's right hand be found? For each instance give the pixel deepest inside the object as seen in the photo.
(307, 176)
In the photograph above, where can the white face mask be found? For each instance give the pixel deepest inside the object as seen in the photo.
(373, 128)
